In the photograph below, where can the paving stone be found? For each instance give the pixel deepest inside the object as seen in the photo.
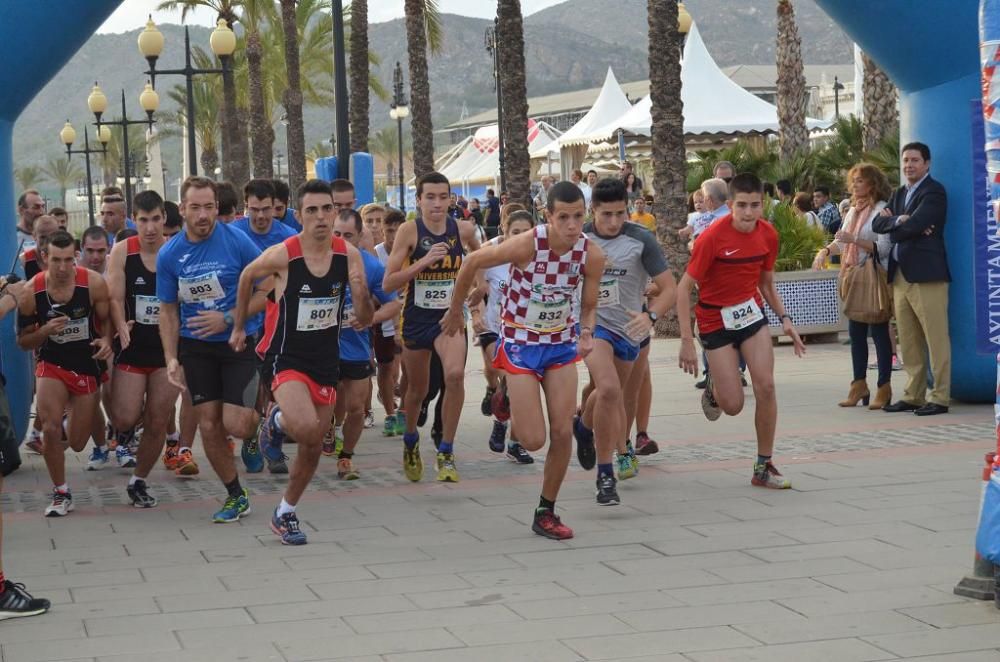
(658, 564)
(390, 587)
(146, 589)
(535, 651)
(221, 599)
(596, 604)
(869, 581)
(832, 626)
(66, 649)
(835, 650)
(264, 633)
(791, 569)
(859, 550)
(268, 580)
(439, 566)
(496, 615)
(383, 643)
(750, 591)
(335, 608)
(972, 612)
(883, 599)
(485, 596)
(939, 642)
(240, 652)
(678, 618)
(659, 643)
(698, 544)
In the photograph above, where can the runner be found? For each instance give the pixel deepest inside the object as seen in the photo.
(300, 346)
(425, 258)
(384, 337)
(259, 223)
(63, 313)
(733, 266)
(196, 277)
(373, 215)
(633, 257)
(539, 338)
(31, 258)
(355, 345)
(140, 389)
(486, 324)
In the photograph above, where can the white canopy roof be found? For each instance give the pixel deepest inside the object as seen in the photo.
(477, 159)
(610, 105)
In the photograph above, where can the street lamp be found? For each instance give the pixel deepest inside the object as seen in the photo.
(223, 43)
(98, 104)
(68, 136)
(837, 87)
(399, 111)
(493, 48)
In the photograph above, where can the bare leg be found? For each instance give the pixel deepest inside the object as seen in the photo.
(306, 423)
(213, 436)
(50, 404)
(160, 396)
(386, 385)
(759, 355)
(645, 403)
(560, 398)
(416, 368)
(352, 393)
(452, 350)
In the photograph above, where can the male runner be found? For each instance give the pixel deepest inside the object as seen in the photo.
(539, 337)
(282, 212)
(384, 336)
(733, 266)
(31, 258)
(140, 388)
(373, 215)
(259, 223)
(426, 257)
(196, 277)
(63, 313)
(311, 272)
(633, 257)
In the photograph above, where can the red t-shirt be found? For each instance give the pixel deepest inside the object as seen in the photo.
(727, 265)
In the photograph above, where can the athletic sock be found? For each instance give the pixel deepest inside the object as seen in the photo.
(342, 454)
(133, 480)
(184, 448)
(446, 447)
(545, 504)
(284, 508)
(338, 432)
(3, 583)
(64, 488)
(173, 439)
(234, 488)
(763, 459)
(410, 439)
(605, 470)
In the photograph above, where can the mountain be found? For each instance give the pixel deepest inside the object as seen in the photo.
(569, 46)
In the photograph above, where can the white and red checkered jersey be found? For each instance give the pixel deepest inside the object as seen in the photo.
(537, 308)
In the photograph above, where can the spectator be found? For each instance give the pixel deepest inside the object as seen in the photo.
(856, 243)
(542, 199)
(228, 201)
(642, 216)
(492, 220)
(696, 205)
(633, 186)
(918, 270)
(373, 214)
(453, 209)
(724, 170)
(29, 207)
(591, 183)
(475, 213)
(828, 213)
(784, 189)
(802, 206)
(715, 192)
(61, 216)
(113, 216)
(628, 170)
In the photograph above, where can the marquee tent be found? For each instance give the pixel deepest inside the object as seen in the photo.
(476, 159)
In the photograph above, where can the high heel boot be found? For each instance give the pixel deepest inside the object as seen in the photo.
(883, 396)
(859, 393)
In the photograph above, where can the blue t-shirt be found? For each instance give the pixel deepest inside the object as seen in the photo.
(290, 221)
(355, 345)
(205, 275)
(277, 234)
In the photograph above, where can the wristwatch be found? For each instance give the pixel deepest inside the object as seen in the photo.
(227, 317)
(789, 317)
(652, 316)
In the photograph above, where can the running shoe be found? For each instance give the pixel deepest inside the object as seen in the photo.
(624, 465)
(422, 418)
(15, 602)
(585, 451)
(413, 465)
(708, 403)
(630, 454)
(329, 448)
(233, 509)
(896, 363)
(253, 460)
(644, 445)
(766, 475)
(346, 470)
(486, 406)
(124, 456)
(498, 436)
(186, 466)
(139, 496)
(287, 528)
(62, 504)
(369, 419)
(516, 453)
(338, 443)
(400, 422)
(501, 404)
(275, 458)
(389, 427)
(607, 491)
(445, 464)
(35, 445)
(548, 525)
(99, 456)
(170, 454)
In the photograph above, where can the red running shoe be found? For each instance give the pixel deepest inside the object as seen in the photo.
(548, 524)
(501, 404)
(644, 445)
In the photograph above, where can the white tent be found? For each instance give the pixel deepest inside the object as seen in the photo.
(611, 103)
(476, 159)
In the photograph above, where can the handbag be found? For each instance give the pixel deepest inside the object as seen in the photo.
(865, 293)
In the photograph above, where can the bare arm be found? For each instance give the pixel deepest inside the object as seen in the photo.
(263, 268)
(683, 290)
(468, 235)
(592, 273)
(10, 296)
(395, 276)
(360, 297)
(116, 290)
(770, 293)
(101, 302)
(34, 336)
(170, 328)
(387, 312)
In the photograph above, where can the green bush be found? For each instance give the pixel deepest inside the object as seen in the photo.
(798, 240)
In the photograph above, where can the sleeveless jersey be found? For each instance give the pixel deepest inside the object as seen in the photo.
(70, 348)
(538, 306)
(302, 328)
(142, 307)
(496, 278)
(32, 265)
(428, 295)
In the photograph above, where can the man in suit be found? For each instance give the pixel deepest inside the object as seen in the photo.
(918, 271)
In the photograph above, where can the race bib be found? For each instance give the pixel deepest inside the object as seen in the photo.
(147, 310)
(316, 314)
(74, 330)
(201, 289)
(607, 294)
(347, 315)
(741, 315)
(547, 315)
(433, 294)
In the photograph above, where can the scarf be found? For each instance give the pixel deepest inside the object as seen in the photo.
(859, 215)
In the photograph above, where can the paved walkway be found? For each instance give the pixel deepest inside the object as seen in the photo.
(856, 563)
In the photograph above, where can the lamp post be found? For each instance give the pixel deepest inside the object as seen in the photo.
(493, 48)
(223, 43)
(399, 111)
(343, 129)
(837, 87)
(98, 103)
(68, 136)
(683, 24)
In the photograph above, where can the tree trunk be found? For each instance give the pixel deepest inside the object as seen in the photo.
(235, 152)
(791, 93)
(514, 92)
(420, 88)
(669, 162)
(263, 135)
(241, 149)
(359, 76)
(881, 117)
(209, 162)
(293, 99)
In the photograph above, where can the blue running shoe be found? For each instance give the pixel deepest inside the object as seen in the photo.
(99, 456)
(233, 509)
(287, 528)
(586, 454)
(275, 458)
(498, 437)
(253, 460)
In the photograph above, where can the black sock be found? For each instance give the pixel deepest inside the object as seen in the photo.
(234, 488)
(545, 504)
(342, 454)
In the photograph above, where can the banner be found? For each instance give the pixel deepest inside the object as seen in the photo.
(986, 242)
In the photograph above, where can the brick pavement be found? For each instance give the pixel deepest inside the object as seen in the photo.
(856, 563)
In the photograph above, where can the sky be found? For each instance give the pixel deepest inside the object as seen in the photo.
(132, 13)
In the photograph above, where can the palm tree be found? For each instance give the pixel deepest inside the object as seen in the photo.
(293, 96)
(791, 95)
(27, 177)
(420, 86)
(881, 118)
(112, 162)
(514, 92)
(384, 145)
(64, 172)
(359, 76)
(669, 166)
(207, 92)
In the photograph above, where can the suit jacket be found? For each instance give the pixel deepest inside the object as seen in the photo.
(921, 257)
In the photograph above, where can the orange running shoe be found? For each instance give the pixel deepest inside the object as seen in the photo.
(186, 466)
(170, 457)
